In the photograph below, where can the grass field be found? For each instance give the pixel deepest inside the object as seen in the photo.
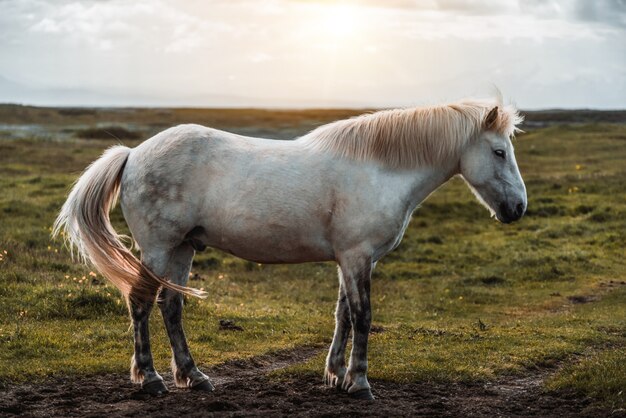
(463, 298)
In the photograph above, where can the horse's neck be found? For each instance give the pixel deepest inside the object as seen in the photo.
(426, 180)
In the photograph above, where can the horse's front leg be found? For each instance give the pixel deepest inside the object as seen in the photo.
(336, 359)
(356, 271)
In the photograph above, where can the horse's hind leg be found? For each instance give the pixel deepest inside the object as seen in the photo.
(186, 374)
(336, 359)
(141, 367)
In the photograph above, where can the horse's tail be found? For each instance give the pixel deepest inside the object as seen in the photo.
(85, 225)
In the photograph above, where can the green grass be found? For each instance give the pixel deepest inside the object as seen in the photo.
(601, 375)
(464, 298)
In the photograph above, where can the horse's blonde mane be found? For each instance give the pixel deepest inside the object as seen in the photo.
(414, 137)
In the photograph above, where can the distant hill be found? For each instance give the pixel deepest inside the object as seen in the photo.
(538, 118)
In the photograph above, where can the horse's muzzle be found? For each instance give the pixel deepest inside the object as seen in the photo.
(510, 213)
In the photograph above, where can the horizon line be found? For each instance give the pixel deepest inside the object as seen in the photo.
(286, 108)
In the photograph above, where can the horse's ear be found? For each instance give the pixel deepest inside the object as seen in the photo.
(491, 118)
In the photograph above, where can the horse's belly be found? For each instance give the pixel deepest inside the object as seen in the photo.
(270, 254)
(270, 243)
(272, 251)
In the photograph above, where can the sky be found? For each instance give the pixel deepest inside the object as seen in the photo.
(296, 53)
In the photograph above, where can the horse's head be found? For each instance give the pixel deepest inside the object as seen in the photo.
(489, 167)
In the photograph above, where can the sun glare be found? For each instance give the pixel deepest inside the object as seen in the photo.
(334, 25)
(340, 20)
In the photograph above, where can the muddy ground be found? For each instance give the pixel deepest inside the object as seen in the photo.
(244, 389)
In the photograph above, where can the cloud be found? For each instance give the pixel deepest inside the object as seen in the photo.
(46, 25)
(104, 25)
(610, 12)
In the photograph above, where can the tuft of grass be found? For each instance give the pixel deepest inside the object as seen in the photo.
(600, 375)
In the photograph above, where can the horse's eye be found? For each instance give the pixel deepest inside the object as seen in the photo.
(500, 153)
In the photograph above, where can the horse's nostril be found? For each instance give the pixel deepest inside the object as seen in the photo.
(519, 209)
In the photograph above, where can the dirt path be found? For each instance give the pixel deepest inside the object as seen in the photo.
(243, 389)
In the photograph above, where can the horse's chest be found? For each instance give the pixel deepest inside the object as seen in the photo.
(391, 237)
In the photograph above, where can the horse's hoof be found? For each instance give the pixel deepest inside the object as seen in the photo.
(204, 386)
(155, 388)
(363, 394)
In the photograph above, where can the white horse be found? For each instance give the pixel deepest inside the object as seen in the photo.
(344, 192)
